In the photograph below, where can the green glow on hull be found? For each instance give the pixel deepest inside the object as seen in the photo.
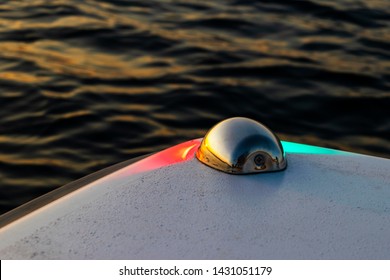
(296, 148)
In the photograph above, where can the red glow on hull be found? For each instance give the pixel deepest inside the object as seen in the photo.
(176, 154)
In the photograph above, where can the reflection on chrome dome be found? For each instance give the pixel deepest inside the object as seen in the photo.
(241, 146)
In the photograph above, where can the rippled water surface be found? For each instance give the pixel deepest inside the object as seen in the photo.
(86, 84)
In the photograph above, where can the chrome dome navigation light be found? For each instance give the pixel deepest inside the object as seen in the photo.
(242, 146)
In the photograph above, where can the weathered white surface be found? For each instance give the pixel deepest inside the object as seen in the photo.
(321, 207)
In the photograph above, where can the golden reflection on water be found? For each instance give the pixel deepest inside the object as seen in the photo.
(137, 108)
(22, 77)
(73, 114)
(102, 89)
(23, 140)
(82, 63)
(12, 159)
(70, 21)
(65, 59)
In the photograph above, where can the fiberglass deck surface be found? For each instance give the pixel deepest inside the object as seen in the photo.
(323, 206)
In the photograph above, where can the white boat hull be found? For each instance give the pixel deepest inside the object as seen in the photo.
(326, 205)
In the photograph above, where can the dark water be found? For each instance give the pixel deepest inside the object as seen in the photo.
(86, 84)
